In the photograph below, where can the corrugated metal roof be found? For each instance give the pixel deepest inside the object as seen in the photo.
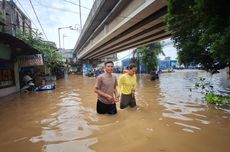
(16, 43)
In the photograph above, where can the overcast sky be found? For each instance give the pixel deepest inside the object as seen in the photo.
(54, 14)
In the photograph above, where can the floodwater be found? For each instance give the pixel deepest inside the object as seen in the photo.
(169, 118)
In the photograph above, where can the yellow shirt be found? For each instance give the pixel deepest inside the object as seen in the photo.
(126, 83)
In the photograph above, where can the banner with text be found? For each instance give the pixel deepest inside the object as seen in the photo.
(30, 60)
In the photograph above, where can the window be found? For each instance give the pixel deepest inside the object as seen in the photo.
(6, 74)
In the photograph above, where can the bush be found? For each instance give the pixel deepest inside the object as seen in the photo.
(217, 99)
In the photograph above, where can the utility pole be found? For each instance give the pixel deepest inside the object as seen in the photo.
(63, 40)
(80, 14)
(79, 5)
(59, 37)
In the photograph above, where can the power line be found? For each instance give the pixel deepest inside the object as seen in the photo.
(59, 9)
(26, 13)
(74, 12)
(76, 4)
(38, 20)
(56, 8)
(65, 10)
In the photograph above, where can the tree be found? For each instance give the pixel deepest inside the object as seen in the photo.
(201, 31)
(52, 58)
(149, 55)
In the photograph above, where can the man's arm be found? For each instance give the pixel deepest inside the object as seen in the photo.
(116, 92)
(101, 93)
(117, 96)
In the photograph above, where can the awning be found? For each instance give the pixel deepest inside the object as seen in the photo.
(17, 44)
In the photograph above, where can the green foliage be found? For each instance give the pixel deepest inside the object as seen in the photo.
(52, 58)
(211, 95)
(201, 31)
(149, 55)
(2, 20)
(217, 99)
(1, 16)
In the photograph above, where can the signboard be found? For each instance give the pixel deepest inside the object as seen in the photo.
(30, 60)
(87, 68)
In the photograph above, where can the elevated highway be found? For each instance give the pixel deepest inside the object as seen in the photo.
(117, 25)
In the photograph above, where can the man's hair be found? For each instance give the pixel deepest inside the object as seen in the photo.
(131, 65)
(107, 62)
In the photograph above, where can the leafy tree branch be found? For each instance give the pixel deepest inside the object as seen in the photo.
(149, 55)
(201, 32)
(52, 58)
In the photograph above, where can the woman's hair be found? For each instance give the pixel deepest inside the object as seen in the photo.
(131, 66)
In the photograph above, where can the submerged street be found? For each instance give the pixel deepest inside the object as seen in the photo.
(168, 117)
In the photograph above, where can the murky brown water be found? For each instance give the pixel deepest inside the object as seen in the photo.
(168, 118)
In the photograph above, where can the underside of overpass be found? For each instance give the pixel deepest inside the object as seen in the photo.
(118, 25)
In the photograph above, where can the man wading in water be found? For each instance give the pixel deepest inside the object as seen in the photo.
(106, 89)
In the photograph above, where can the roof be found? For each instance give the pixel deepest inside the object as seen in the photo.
(15, 43)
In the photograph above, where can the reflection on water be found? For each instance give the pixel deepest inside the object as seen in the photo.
(168, 116)
(66, 129)
(180, 101)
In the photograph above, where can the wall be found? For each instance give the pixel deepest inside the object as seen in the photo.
(15, 19)
(7, 91)
(5, 52)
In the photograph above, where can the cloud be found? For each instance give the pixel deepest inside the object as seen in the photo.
(55, 14)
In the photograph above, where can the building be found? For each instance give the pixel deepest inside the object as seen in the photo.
(14, 53)
(140, 67)
(11, 49)
(167, 63)
(112, 57)
(67, 54)
(14, 18)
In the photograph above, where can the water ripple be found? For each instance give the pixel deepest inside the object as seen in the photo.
(68, 125)
(182, 104)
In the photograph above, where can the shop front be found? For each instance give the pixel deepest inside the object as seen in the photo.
(32, 66)
(10, 49)
(7, 78)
